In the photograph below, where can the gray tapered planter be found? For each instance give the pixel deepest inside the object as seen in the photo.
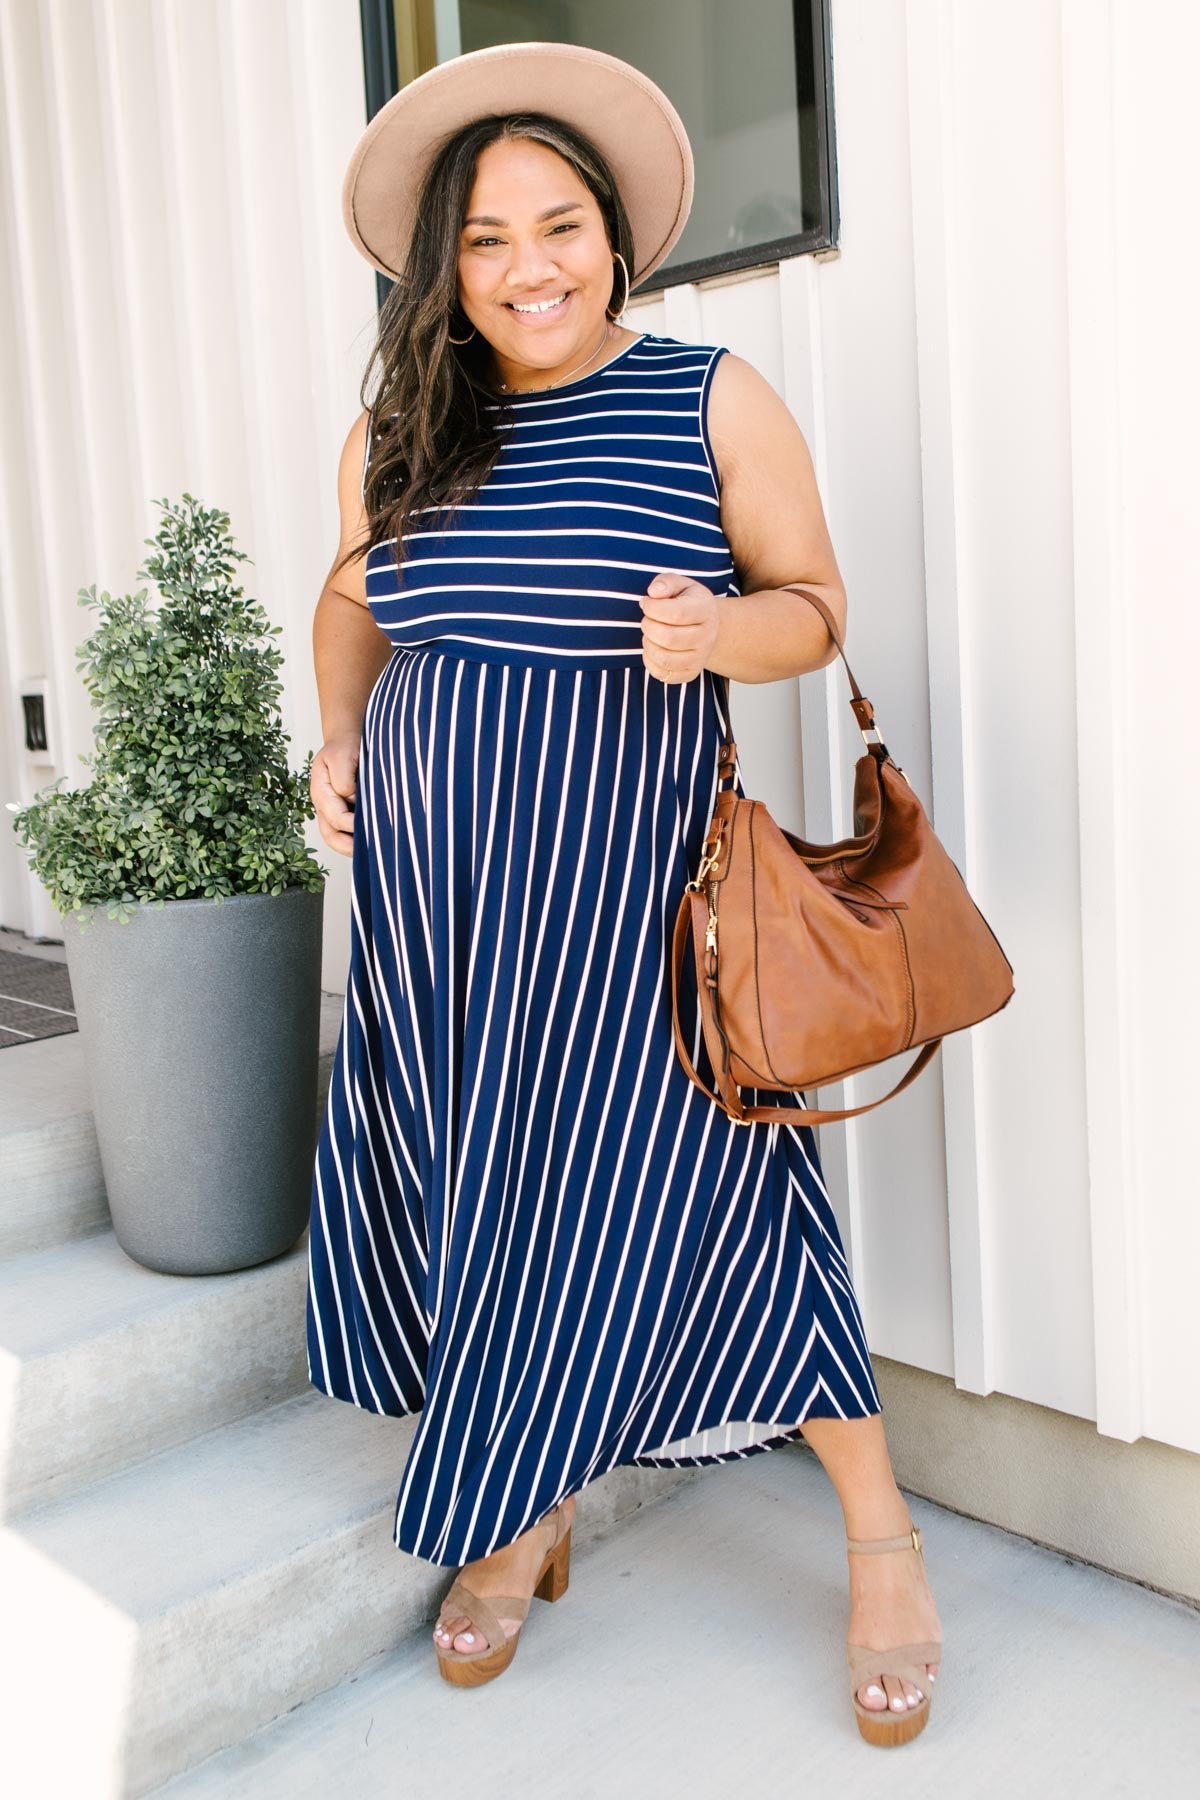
(199, 1022)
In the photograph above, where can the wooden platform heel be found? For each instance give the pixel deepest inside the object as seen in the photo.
(887, 1727)
(465, 1668)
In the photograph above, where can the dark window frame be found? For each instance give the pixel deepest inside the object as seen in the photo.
(818, 148)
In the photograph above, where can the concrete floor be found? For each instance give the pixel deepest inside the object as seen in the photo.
(700, 1652)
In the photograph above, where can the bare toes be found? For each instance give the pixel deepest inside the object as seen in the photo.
(873, 1696)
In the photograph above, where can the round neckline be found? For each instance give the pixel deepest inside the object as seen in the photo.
(564, 387)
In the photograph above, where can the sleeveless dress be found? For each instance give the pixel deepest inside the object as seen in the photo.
(528, 1224)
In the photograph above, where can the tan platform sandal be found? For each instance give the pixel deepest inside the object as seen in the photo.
(466, 1668)
(886, 1727)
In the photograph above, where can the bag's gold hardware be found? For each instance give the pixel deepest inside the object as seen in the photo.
(708, 862)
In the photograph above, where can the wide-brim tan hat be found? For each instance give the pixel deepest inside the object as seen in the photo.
(627, 117)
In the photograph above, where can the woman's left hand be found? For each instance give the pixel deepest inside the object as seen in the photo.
(681, 623)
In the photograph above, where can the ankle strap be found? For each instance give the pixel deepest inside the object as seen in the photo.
(558, 1518)
(911, 1540)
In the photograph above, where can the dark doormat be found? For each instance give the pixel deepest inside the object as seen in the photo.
(35, 998)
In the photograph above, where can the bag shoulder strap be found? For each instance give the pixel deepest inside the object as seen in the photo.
(864, 712)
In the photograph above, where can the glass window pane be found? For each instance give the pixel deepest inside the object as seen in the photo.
(748, 77)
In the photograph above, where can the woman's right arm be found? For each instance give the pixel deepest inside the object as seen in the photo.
(350, 653)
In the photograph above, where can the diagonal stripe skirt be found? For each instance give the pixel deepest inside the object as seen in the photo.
(528, 1225)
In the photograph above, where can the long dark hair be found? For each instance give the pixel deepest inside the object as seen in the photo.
(432, 445)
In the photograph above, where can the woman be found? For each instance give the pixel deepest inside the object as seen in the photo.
(560, 539)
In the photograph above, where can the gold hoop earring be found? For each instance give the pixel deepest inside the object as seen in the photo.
(465, 340)
(625, 302)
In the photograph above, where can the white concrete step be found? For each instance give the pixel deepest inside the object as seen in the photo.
(50, 1176)
(699, 1654)
(173, 1609)
(51, 1184)
(104, 1362)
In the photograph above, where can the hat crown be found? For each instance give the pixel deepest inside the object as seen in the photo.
(627, 116)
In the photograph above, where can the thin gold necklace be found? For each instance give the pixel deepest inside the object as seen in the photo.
(505, 389)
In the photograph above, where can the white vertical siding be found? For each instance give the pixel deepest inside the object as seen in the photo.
(1132, 141)
(998, 376)
(1064, 469)
(185, 313)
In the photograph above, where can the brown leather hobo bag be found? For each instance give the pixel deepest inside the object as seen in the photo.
(814, 961)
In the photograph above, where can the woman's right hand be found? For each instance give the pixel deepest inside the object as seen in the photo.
(333, 782)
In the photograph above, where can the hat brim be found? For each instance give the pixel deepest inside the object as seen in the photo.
(628, 118)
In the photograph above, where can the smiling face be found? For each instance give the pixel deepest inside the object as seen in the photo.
(533, 232)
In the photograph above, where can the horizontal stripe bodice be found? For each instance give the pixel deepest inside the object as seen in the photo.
(601, 484)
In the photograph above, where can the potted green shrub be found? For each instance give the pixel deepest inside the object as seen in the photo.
(192, 911)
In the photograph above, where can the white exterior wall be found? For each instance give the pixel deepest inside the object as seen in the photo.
(182, 310)
(997, 376)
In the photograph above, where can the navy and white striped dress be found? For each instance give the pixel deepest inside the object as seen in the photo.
(528, 1224)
